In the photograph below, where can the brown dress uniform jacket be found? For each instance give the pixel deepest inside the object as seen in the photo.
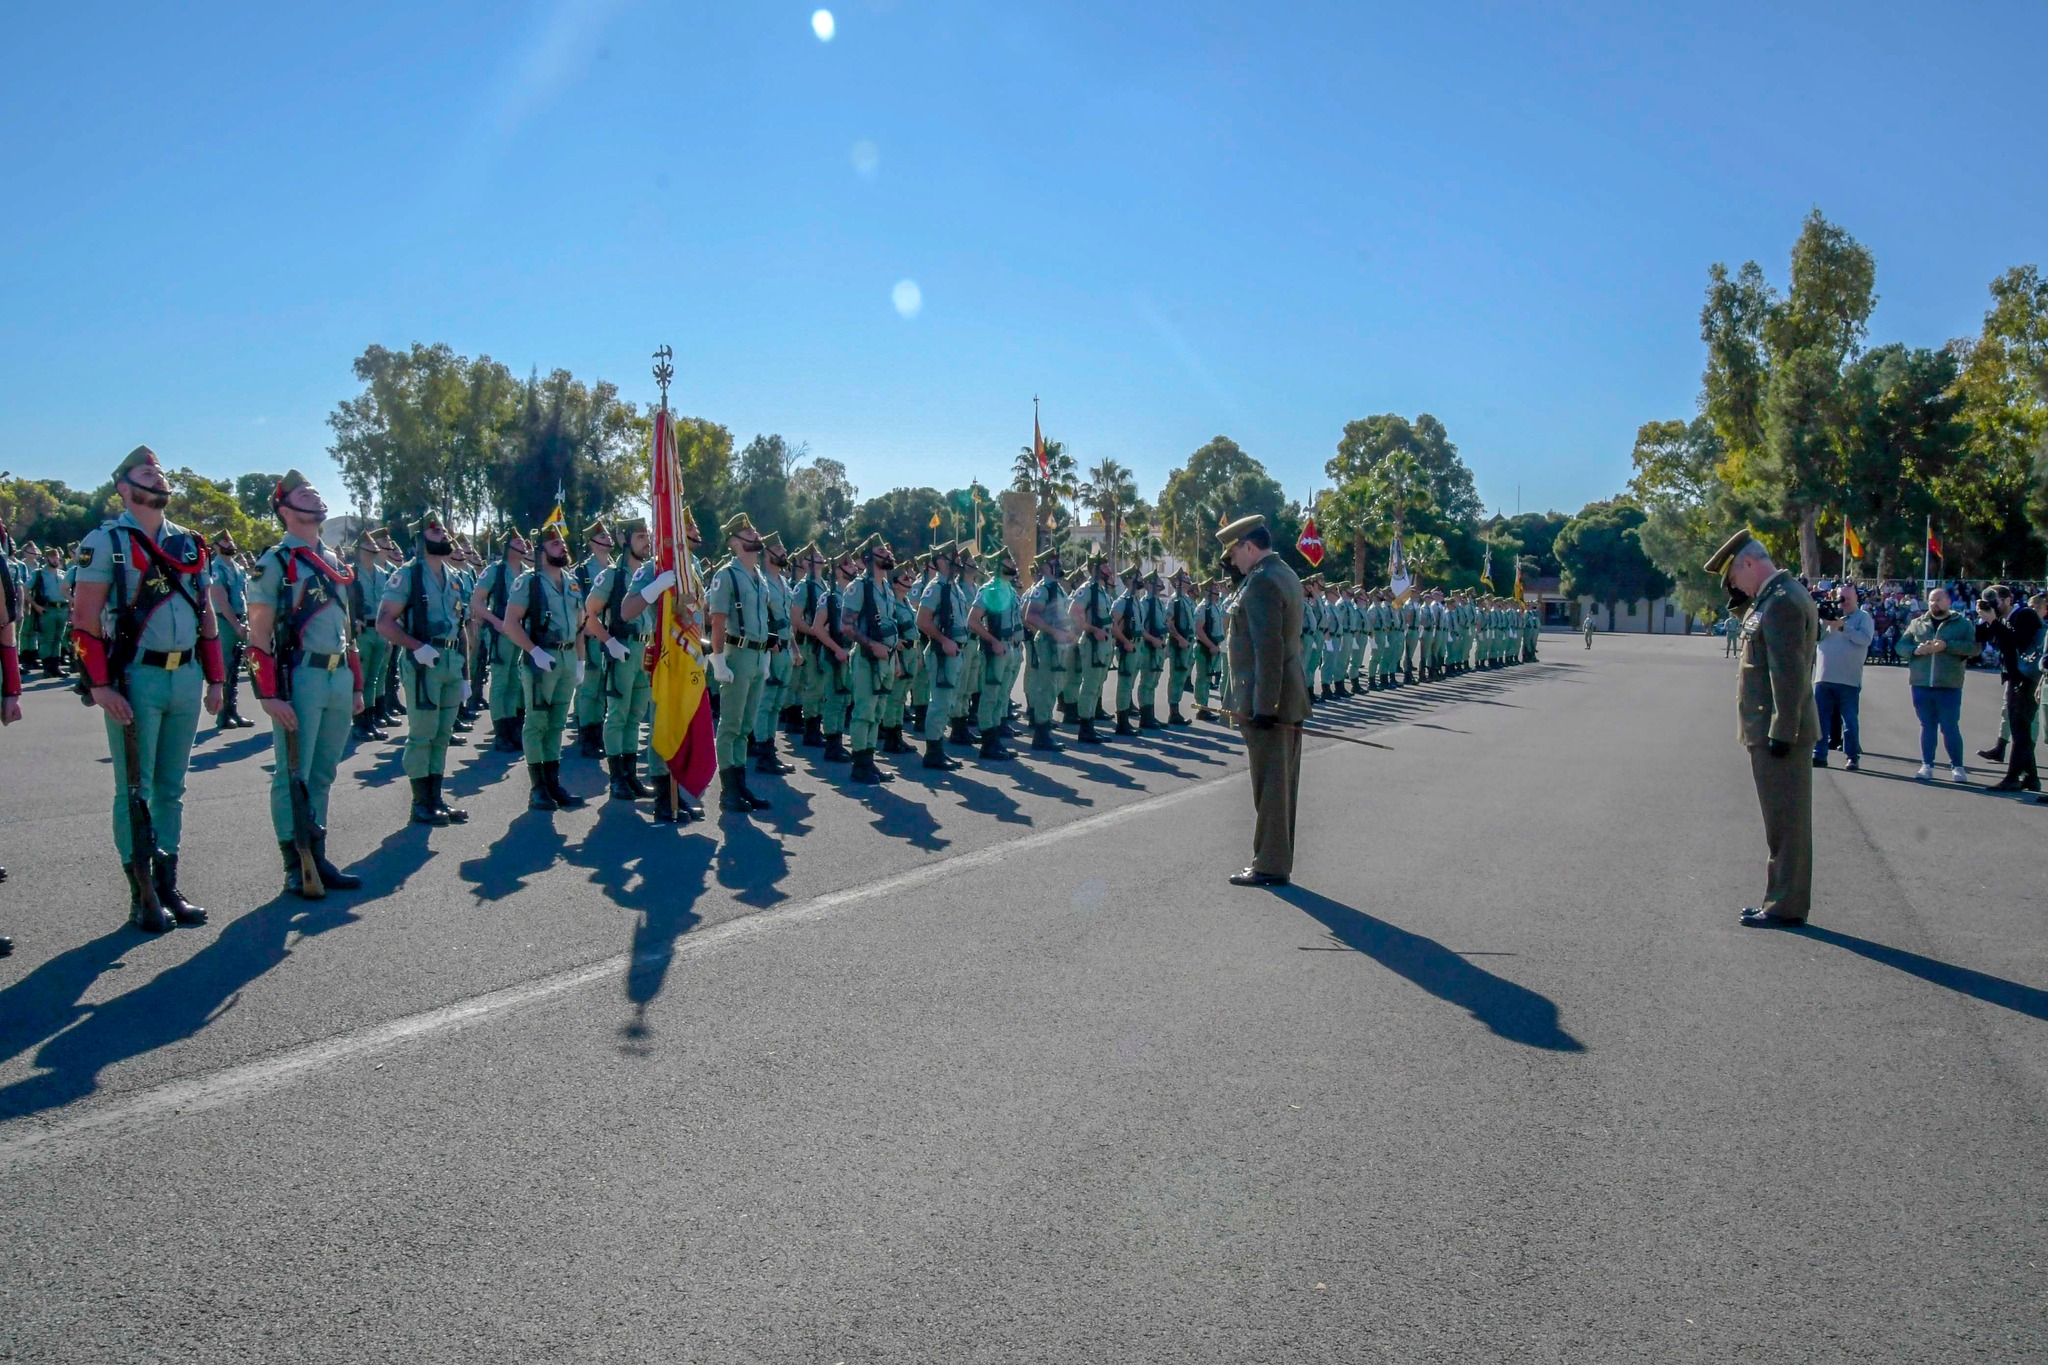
(1266, 679)
(1775, 702)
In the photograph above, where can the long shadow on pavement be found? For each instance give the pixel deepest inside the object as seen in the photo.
(1511, 1011)
(1992, 990)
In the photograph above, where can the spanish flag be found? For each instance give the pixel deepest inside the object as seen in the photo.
(1850, 543)
(683, 736)
(1519, 599)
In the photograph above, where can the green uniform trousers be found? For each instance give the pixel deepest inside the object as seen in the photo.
(375, 653)
(508, 694)
(1784, 790)
(1048, 673)
(166, 704)
(872, 680)
(590, 692)
(1180, 664)
(1275, 759)
(324, 701)
(1151, 667)
(627, 693)
(835, 693)
(944, 673)
(921, 677)
(774, 693)
(432, 697)
(737, 700)
(897, 700)
(1091, 673)
(51, 627)
(549, 696)
(1131, 670)
(971, 660)
(998, 680)
(1208, 673)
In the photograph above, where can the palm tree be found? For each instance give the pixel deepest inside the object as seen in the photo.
(1375, 506)
(1111, 493)
(1060, 482)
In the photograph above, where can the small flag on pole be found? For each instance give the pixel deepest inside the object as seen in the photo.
(556, 517)
(1311, 543)
(1486, 569)
(934, 522)
(1038, 442)
(1934, 544)
(1520, 600)
(1850, 542)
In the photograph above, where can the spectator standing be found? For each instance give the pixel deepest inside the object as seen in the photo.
(1939, 645)
(2014, 630)
(1838, 680)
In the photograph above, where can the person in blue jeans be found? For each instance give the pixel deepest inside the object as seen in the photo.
(1940, 644)
(1838, 679)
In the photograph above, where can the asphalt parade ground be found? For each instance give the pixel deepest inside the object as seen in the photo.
(994, 1066)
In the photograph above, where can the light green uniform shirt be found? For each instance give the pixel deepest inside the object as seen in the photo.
(173, 625)
(326, 630)
(443, 595)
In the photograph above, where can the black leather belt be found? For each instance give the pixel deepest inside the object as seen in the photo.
(732, 642)
(326, 663)
(166, 658)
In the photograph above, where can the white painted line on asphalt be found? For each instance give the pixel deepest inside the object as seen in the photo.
(199, 1093)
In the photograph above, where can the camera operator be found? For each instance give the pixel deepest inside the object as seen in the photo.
(2015, 632)
(1845, 634)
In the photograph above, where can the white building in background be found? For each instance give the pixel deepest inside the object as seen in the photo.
(1658, 616)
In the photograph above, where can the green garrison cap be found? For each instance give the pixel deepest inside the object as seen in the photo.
(772, 541)
(137, 458)
(1239, 529)
(949, 549)
(630, 528)
(736, 523)
(419, 527)
(1730, 547)
(292, 481)
(808, 551)
(597, 530)
(553, 530)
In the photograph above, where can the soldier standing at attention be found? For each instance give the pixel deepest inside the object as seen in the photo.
(737, 601)
(1779, 721)
(590, 692)
(308, 675)
(141, 619)
(624, 687)
(1095, 644)
(365, 596)
(1180, 644)
(807, 602)
(488, 604)
(51, 599)
(418, 614)
(867, 618)
(942, 620)
(1127, 628)
(542, 617)
(1269, 692)
(1208, 647)
(463, 563)
(228, 584)
(996, 620)
(775, 680)
(902, 661)
(10, 667)
(835, 689)
(967, 693)
(1049, 647)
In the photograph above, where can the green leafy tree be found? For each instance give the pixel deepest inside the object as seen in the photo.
(2005, 407)
(1219, 483)
(209, 507)
(1905, 443)
(822, 499)
(1601, 551)
(252, 494)
(761, 485)
(1111, 494)
(902, 516)
(1688, 509)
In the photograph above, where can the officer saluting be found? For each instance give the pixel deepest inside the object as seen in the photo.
(141, 618)
(420, 614)
(309, 677)
(1269, 691)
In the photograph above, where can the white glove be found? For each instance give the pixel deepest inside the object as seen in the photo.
(542, 660)
(663, 581)
(465, 691)
(426, 654)
(720, 669)
(579, 670)
(615, 648)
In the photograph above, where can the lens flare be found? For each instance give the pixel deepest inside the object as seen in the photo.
(907, 297)
(823, 25)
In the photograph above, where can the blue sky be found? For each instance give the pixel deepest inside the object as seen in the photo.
(1168, 221)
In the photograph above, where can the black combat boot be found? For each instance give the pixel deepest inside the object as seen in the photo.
(541, 798)
(1123, 723)
(564, 798)
(753, 802)
(629, 766)
(730, 797)
(814, 732)
(619, 790)
(835, 749)
(455, 815)
(173, 899)
(1067, 712)
(992, 748)
(864, 769)
(1996, 753)
(423, 812)
(664, 800)
(1086, 734)
(334, 877)
(294, 880)
(935, 756)
(593, 740)
(917, 717)
(149, 921)
(1148, 718)
(892, 740)
(956, 733)
(1174, 717)
(505, 732)
(767, 761)
(1042, 740)
(793, 720)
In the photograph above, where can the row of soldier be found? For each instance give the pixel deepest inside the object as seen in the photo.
(842, 651)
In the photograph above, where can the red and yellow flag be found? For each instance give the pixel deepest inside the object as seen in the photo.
(683, 734)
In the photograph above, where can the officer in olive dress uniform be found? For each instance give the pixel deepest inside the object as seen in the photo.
(1779, 721)
(1269, 692)
(543, 616)
(624, 687)
(996, 622)
(488, 604)
(419, 615)
(1048, 648)
(142, 622)
(942, 621)
(869, 623)
(597, 539)
(1127, 627)
(775, 683)
(308, 675)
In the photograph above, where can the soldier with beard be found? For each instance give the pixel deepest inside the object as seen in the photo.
(1095, 645)
(419, 614)
(781, 654)
(488, 604)
(542, 617)
(590, 699)
(1049, 648)
(996, 621)
(867, 618)
(942, 621)
(624, 687)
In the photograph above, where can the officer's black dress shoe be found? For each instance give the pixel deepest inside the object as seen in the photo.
(1249, 877)
(1753, 918)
